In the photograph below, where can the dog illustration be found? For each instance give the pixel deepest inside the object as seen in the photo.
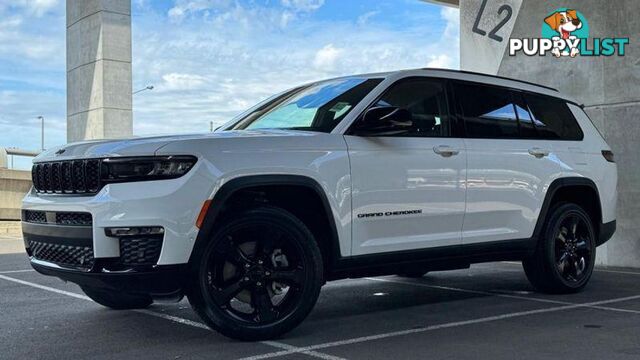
(564, 22)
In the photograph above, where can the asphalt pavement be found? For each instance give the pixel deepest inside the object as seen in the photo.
(486, 312)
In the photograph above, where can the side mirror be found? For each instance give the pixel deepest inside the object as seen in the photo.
(385, 120)
(388, 115)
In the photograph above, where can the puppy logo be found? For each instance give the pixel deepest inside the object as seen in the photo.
(565, 23)
(565, 34)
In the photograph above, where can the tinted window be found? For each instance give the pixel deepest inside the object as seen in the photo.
(489, 112)
(553, 118)
(425, 99)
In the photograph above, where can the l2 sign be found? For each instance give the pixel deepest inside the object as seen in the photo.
(485, 29)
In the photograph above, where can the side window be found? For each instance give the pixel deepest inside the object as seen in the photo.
(553, 119)
(488, 112)
(426, 101)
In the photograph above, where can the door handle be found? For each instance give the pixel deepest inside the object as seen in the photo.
(538, 152)
(445, 151)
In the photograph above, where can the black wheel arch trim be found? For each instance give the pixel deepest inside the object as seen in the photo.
(553, 189)
(234, 185)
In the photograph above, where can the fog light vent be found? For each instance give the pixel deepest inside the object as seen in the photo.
(136, 251)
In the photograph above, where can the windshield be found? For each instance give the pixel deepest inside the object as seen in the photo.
(319, 107)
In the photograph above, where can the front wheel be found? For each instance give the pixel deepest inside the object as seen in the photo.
(565, 257)
(258, 277)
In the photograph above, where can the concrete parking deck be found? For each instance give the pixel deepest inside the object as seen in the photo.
(489, 311)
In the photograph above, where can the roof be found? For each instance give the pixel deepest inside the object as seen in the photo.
(469, 76)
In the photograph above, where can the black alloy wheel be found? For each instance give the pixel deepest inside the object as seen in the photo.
(259, 277)
(572, 250)
(565, 257)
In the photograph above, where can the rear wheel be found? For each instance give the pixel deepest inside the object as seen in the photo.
(258, 277)
(565, 257)
(117, 300)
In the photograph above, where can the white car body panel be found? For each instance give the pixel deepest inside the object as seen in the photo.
(506, 189)
(405, 174)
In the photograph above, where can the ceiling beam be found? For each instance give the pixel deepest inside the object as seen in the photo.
(451, 3)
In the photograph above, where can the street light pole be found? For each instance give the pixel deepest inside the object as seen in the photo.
(41, 118)
(148, 87)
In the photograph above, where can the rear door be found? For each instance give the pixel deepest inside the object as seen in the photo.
(508, 166)
(408, 186)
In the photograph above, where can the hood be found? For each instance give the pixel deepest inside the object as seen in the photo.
(147, 146)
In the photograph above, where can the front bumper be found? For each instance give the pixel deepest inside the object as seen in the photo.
(66, 252)
(159, 282)
(171, 204)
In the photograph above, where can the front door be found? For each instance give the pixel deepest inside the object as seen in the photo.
(408, 183)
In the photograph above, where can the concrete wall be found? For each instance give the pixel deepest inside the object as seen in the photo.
(608, 86)
(98, 69)
(14, 184)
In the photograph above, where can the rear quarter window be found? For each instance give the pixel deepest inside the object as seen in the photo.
(553, 119)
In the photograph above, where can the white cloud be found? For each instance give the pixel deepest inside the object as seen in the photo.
(452, 17)
(303, 5)
(184, 8)
(176, 14)
(364, 18)
(442, 61)
(286, 18)
(41, 7)
(36, 8)
(327, 57)
(176, 81)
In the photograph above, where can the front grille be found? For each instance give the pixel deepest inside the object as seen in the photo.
(67, 177)
(140, 251)
(57, 218)
(63, 255)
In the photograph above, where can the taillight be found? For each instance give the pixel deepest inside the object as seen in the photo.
(608, 155)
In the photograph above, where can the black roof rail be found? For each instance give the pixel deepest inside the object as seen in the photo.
(492, 76)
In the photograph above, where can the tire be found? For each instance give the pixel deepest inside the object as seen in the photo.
(413, 274)
(564, 259)
(118, 301)
(258, 277)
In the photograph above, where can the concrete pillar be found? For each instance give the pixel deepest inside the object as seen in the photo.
(608, 86)
(98, 69)
(13, 185)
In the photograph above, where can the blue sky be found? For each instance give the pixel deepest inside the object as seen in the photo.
(210, 59)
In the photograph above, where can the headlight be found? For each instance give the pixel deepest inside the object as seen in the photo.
(116, 170)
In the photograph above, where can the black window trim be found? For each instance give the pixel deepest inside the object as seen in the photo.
(521, 94)
(459, 113)
(453, 120)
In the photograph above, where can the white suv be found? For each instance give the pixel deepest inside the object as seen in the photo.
(395, 173)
